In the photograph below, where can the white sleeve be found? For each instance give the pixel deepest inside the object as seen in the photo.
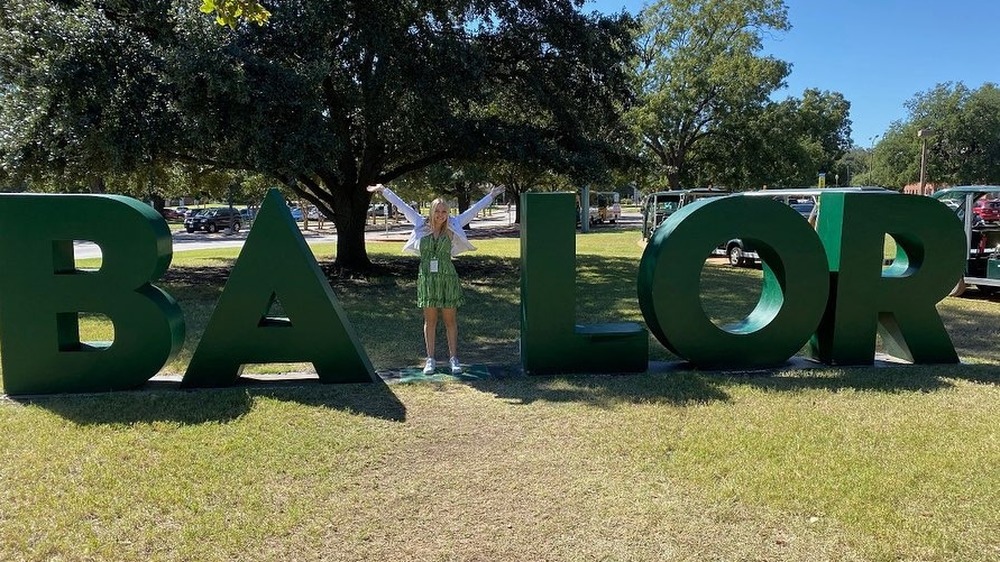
(470, 213)
(411, 215)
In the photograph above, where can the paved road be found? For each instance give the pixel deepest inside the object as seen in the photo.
(184, 242)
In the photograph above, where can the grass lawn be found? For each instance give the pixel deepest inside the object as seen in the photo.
(884, 464)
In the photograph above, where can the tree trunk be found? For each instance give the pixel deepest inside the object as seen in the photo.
(96, 185)
(350, 216)
(158, 202)
(464, 198)
(673, 180)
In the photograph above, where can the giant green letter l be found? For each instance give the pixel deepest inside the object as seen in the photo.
(551, 342)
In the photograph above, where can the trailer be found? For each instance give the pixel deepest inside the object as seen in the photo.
(982, 234)
(658, 206)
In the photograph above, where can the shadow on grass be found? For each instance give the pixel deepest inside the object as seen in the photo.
(974, 326)
(836, 379)
(189, 407)
(606, 391)
(687, 387)
(979, 374)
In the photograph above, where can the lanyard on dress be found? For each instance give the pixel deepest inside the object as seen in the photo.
(436, 242)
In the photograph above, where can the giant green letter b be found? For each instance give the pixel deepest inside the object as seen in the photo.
(42, 293)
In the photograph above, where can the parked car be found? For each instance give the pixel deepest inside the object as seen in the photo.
(805, 208)
(987, 209)
(171, 214)
(378, 210)
(214, 219)
(740, 253)
(314, 214)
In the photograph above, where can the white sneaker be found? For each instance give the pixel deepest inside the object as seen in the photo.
(456, 369)
(429, 366)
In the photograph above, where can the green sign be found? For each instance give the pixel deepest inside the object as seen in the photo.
(793, 295)
(551, 340)
(276, 264)
(828, 289)
(898, 302)
(825, 289)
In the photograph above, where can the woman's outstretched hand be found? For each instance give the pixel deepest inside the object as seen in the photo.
(497, 190)
(377, 188)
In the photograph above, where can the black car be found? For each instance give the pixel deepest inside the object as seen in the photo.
(214, 220)
(805, 208)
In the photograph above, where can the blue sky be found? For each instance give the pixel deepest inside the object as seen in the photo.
(879, 53)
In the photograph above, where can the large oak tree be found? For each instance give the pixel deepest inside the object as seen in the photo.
(964, 146)
(327, 97)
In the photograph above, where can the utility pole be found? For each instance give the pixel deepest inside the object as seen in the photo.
(871, 160)
(923, 135)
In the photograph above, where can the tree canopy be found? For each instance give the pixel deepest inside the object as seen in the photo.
(231, 12)
(698, 68)
(326, 98)
(964, 143)
(781, 144)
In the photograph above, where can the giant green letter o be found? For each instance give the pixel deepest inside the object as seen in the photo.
(793, 296)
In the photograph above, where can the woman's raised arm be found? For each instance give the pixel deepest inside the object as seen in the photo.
(470, 213)
(409, 212)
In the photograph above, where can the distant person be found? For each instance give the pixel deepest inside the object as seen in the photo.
(436, 239)
(814, 214)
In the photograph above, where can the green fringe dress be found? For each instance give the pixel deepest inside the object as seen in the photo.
(441, 289)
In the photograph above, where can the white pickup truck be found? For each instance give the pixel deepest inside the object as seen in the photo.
(605, 207)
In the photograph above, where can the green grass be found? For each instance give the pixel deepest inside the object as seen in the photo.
(893, 463)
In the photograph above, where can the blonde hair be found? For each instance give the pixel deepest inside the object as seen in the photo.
(430, 216)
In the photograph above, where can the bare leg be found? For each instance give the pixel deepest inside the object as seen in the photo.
(451, 328)
(430, 329)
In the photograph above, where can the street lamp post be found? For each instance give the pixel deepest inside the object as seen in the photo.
(923, 134)
(871, 160)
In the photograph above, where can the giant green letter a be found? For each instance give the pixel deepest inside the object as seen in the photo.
(276, 263)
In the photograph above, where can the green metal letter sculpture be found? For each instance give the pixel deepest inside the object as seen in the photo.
(276, 263)
(793, 295)
(899, 301)
(551, 342)
(42, 293)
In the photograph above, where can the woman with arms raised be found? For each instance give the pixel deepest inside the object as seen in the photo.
(436, 239)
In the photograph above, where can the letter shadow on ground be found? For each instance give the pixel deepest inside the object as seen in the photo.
(801, 373)
(606, 391)
(164, 402)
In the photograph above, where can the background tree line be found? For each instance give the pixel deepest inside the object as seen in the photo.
(154, 99)
(963, 146)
